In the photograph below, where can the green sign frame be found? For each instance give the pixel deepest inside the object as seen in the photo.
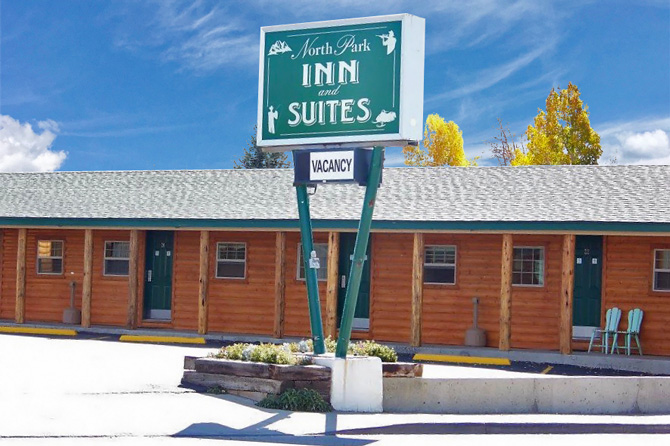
(344, 83)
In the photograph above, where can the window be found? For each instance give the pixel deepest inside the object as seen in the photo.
(528, 268)
(440, 265)
(49, 257)
(662, 270)
(117, 258)
(231, 260)
(322, 253)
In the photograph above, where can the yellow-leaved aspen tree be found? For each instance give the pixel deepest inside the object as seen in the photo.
(562, 134)
(442, 145)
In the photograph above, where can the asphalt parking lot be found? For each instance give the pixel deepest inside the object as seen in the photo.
(93, 390)
(515, 366)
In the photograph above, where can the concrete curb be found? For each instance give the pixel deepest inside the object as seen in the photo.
(658, 365)
(17, 329)
(547, 395)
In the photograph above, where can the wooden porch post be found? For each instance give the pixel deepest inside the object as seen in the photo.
(567, 287)
(203, 283)
(332, 283)
(506, 291)
(280, 283)
(88, 279)
(417, 289)
(20, 310)
(133, 278)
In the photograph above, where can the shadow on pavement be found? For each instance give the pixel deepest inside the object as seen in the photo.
(508, 429)
(260, 434)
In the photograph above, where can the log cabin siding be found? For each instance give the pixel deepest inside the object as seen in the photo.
(629, 274)
(296, 313)
(48, 295)
(109, 294)
(186, 270)
(240, 305)
(447, 309)
(8, 273)
(391, 292)
(536, 310)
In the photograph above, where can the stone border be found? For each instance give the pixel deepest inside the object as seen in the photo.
(254, 380)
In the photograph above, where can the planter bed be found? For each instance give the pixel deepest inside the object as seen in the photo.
(255, 380)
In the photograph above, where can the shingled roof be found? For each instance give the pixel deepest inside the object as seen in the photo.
(607, 194)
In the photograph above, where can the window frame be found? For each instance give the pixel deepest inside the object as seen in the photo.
(455, 265)
(544, 266)
(654, 270)
(105, 258)
(218, 260)
(299, 263)
(62, 257)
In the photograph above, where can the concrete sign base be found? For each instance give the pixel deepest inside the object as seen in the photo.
(356, 384)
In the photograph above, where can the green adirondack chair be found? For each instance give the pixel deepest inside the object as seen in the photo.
(612, 318)
(633, 331)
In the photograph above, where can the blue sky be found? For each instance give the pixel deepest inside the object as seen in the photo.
(107, 85)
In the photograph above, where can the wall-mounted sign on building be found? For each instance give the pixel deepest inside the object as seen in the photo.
(344, 83)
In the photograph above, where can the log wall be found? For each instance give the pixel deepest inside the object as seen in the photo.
(296, 313)
(447, 309)
(186, 269)
(391, 293)
(248, 305)
(48, 295)
(109, 294)
(241, 305)
(629, 272)
(8, 274)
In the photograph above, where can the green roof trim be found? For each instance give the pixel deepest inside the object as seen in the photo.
(143, 223)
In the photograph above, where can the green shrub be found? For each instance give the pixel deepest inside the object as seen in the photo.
(271, 354)
(331, 344)
(371, 348)
(291, 353)
(360, 348)
(216, 390)
(266, 353)
(300, 400)
(233, 352)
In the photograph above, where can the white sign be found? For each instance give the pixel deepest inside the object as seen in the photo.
(314, 261)
(331, 165)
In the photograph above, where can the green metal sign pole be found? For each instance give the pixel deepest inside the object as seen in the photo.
(310, 273)
(359, 252)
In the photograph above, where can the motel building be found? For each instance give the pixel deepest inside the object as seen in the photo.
(546, 249)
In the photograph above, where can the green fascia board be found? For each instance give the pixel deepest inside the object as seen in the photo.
(392, 225)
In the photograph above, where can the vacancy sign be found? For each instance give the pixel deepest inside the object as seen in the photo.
(324, 166)
(344, 83)
(316, 166)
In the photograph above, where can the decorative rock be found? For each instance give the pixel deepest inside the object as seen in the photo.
(402, 370)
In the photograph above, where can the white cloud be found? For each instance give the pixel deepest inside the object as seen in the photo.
(24, 150)
(644, 141)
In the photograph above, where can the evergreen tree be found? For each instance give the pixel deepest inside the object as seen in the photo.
(255, 158)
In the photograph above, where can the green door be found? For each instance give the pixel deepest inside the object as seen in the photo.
(362, 313)
(588, 272)
(158, 275)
